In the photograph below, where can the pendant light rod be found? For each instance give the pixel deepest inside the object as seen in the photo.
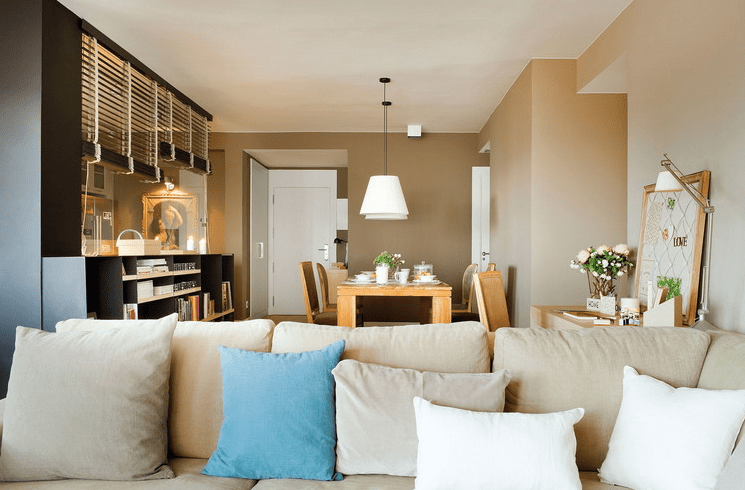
(386, 104)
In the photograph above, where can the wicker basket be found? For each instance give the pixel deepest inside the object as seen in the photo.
(137, 246)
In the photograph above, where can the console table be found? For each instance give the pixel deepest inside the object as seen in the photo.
(552, 317)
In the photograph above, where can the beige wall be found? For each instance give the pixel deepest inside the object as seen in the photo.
(509, 132)
(578, 182)
(558, 173)
(435, 174)
(685, 62)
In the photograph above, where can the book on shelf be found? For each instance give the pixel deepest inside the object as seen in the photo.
(130, 311)
(194, 309)
(227, 296)
(206, 305)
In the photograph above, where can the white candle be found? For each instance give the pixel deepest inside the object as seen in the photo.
(203, 246)
(190, 243)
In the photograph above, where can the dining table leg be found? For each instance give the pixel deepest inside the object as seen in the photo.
(346, 308)
(441, 309)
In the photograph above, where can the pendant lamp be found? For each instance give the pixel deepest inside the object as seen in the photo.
(384, 198)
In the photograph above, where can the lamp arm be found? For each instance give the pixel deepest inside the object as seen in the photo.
(695, 193)
(708, 209)
(703, 311)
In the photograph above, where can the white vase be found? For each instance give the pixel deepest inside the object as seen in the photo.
(381, 274)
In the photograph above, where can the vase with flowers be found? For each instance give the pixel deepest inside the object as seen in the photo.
(385, 265)
(602, 266)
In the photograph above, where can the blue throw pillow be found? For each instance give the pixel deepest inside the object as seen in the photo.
(278, 415)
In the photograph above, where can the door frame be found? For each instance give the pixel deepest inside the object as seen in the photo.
(480, 209)
(307, 179)
(258, 238)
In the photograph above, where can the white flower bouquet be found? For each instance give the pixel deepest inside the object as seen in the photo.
(602, 266)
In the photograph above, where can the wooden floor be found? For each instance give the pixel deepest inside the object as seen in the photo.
(287, 318)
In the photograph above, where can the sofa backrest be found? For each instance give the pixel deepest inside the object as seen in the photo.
(724, 366)
(556, 370)
(447, 348)
(195, 409)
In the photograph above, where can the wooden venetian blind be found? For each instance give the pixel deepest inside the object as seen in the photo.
(132, 124)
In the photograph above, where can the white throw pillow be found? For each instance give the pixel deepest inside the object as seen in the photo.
(668, 437)
(375, 422)
(479, 450)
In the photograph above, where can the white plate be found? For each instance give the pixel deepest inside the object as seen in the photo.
(431, 283)
(362, 281)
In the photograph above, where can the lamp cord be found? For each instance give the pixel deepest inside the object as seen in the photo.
(386, 103)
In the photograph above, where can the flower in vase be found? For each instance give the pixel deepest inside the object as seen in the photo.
(603, 266)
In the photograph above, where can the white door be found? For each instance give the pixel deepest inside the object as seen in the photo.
(259, 240)
(480, 198)
(303, 219)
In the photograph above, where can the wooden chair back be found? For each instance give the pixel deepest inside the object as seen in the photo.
(308, 281)
(491, 266)
(467, 291)
(492, 300)
(323, 279)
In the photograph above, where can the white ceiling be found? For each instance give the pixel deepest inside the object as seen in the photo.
(314, 65)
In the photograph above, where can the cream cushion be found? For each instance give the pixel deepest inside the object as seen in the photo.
(196, 414)
(724, 366)
(556, 370)
(375, 422)
(195, 409)
(478, 450)
(445, 348)
(89, 404)
(668, 437)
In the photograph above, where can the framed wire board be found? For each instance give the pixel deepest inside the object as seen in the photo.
(670, 244)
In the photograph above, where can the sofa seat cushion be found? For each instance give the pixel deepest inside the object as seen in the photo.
(188, 477)
(589, 480)
(352, 482)
(556, 370)
(445, 348)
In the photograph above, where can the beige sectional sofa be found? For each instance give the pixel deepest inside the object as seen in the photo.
(550, 371)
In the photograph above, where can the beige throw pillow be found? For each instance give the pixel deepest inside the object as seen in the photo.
(88, 405)
(375, 420)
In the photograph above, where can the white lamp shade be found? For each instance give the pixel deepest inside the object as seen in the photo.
(666, 182)
(384, 199)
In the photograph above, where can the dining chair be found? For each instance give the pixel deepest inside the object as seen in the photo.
(461, 311)
(312, 306)
(491, 298)
(323, 279)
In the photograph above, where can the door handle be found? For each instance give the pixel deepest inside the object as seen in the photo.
(260, 250)
(325, 251)
(484, 254)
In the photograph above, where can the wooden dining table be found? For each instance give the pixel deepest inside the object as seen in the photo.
(434, 298)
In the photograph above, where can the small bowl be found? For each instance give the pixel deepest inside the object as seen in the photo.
(428, 278)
